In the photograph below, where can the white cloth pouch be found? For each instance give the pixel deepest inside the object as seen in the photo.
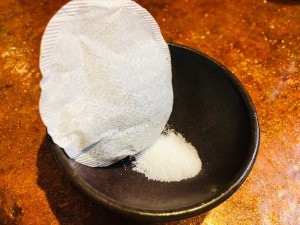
(106, 86)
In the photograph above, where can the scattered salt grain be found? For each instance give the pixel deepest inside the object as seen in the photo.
(171, 158)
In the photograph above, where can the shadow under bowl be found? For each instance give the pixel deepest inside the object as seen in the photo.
(213, 111)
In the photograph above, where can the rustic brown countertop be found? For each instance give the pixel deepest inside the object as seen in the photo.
(258, 40)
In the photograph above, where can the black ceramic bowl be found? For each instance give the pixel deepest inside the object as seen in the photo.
(214, 112)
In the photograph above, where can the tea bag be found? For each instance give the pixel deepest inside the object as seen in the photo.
(106, 86)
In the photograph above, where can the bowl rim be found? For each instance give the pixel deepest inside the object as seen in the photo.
(181, 213)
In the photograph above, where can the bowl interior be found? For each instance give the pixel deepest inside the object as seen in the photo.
(213, 112)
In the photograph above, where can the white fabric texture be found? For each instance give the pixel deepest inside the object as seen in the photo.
(106, 86)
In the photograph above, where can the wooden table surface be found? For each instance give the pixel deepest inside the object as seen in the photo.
(258, 40)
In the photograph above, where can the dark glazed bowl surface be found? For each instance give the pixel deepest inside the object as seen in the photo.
(214, 112)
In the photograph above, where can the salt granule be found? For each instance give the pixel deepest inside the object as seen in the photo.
(171, 158)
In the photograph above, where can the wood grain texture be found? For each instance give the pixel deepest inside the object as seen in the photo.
(258, 40)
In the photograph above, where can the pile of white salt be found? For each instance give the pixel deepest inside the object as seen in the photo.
(171, 158)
